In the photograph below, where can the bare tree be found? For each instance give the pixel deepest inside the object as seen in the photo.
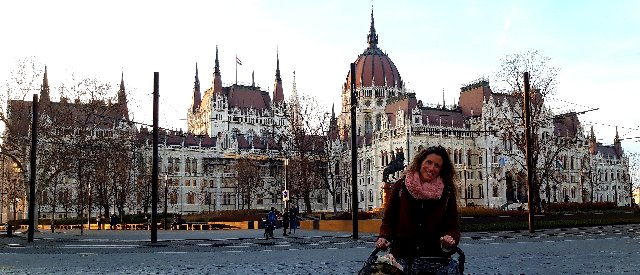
(634, 175)
(306, 145)
(15, 113)
(547, 146)
(249, 180)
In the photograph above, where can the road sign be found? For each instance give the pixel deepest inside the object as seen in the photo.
(285, 195)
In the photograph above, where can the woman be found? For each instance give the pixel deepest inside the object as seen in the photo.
(421, 217)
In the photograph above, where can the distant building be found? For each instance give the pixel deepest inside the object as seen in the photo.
(197, 168)
(72, 137)
(226, 124)
(391, 121)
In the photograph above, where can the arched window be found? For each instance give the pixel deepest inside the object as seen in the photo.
(469, 192)
(191, 198)
(480, 191)
(368, 127)
(572, 164)
(173, 197)
(187, 165)
(455, 156)
(194, 166)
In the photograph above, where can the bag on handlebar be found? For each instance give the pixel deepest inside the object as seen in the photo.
(439, 265)
(435, 265)
(422, 265)
(374, 266)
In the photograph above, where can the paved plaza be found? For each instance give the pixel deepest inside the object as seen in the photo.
(585, 250)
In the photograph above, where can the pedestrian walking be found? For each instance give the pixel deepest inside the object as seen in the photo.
(285, 222)
(113, 222)
(99, 221)
(293, 219)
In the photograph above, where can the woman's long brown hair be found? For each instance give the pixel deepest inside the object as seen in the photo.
(447, 172)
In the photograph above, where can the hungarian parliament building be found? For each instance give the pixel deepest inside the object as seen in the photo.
(197, 168)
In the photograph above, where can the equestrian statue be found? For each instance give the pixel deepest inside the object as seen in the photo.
(397, 164)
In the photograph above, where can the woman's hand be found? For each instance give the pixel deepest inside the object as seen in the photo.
(447, 242)
(382, 243)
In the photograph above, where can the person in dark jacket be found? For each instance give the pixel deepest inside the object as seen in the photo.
(285, 222)
(421, 217)
(293, 219)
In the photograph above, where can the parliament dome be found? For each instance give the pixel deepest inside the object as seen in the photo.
(374, 68)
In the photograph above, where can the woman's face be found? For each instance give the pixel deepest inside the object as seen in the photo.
(430, 167)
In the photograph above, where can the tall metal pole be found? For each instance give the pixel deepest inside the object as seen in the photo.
(286, 163)
(529, 153)
(409, 130)
(166, 192)
(354, 154)
(154, 169)
(32, 169)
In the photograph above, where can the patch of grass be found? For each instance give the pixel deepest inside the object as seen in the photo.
(550, 221)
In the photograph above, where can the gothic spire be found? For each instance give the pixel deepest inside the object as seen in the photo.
(372, 37)
(295, 105)
(216, 69)
(617, 145)
(44, 90)
(197, 98)
(443, 102)
(217, 79)
(333, 113)
(278, 95)
(122, 98)
(278, 66)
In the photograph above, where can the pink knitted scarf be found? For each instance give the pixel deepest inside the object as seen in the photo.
(424, 190)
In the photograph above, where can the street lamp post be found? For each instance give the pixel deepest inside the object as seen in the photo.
(466, 189)
(1, 207)
(286, 163)
(409, 132)
(166, 192)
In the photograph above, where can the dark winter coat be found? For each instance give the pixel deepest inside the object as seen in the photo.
(414, 227)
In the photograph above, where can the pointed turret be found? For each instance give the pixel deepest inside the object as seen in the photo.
(44, 89)
(295, 104)
(122, 98)
(372, 37)
(333, 125)
(217, 80)
(593, 145)
(617, 145)
(197, 98)
(278, 95)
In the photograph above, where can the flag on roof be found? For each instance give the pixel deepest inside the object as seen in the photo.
(238, 61)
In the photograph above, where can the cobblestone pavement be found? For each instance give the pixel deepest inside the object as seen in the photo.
(585, 250)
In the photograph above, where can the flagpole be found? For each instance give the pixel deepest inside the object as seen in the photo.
(236, 69)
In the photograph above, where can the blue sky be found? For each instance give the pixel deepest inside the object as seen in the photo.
(436, 45)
